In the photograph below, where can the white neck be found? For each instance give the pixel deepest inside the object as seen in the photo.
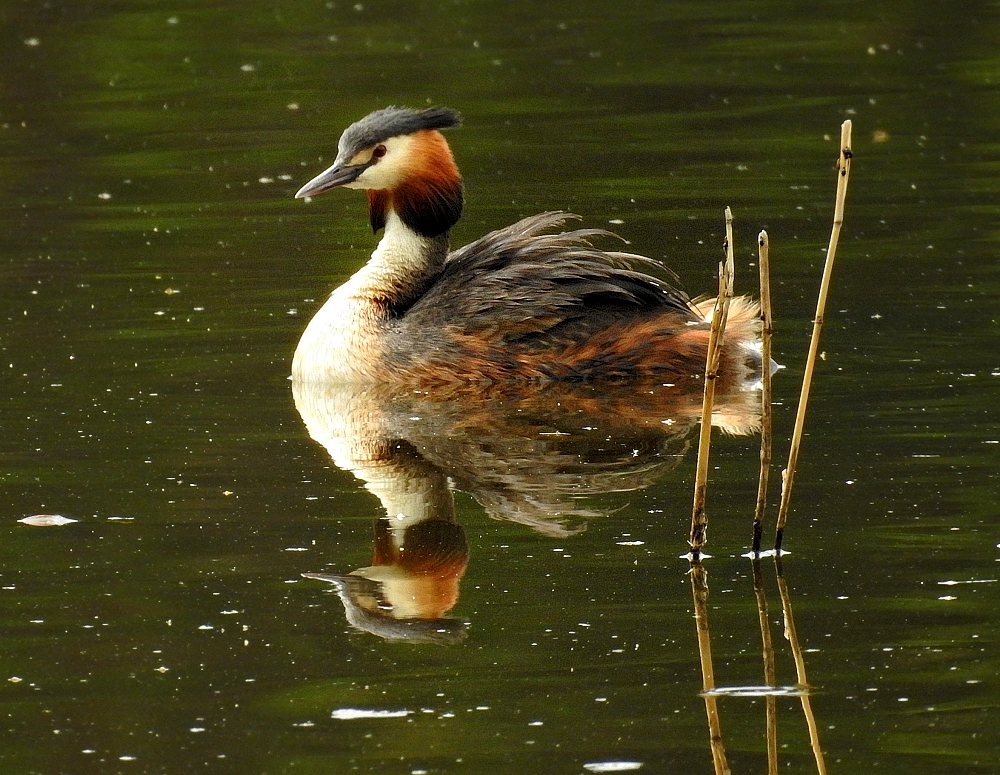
(343, 342)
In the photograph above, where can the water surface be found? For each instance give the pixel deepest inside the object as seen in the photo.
(156, 274)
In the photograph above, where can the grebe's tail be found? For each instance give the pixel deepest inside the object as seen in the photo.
(743, 324)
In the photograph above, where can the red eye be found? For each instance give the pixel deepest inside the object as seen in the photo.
(379, 152)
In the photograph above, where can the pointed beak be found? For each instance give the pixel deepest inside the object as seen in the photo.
(337, 175)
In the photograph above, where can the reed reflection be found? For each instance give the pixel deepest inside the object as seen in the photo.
(770, 689)
(528, 454)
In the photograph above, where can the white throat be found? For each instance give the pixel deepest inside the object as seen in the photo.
(344, 341)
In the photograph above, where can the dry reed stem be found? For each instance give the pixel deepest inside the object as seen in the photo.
(767, 328)
(788, 475)
(699, 517)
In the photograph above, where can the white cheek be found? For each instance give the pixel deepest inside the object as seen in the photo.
(376, 176)
(390, 170)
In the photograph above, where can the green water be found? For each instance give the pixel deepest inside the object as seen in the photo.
(155, 274)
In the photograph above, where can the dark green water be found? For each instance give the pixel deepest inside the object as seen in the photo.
(155, 274)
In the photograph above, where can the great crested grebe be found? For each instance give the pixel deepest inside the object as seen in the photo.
(519, 304)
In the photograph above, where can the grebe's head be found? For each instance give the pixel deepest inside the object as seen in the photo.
(403, 161)
(388, 148)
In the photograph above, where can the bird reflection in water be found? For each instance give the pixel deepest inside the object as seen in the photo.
(531, 454)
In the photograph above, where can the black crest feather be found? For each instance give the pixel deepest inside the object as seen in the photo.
(389, 122)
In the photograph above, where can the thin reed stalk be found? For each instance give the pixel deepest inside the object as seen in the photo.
(788, 475)
(699, 517)
(766, 330)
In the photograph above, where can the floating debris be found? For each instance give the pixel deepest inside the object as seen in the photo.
(621, 766)
(353, 713)
(756, 691)
(47, 520)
